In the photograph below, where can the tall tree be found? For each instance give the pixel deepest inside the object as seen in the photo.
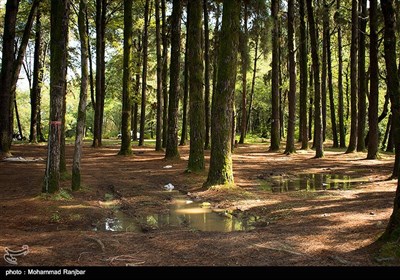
(353, 76)
(318, 140)
(144, 72)
(330, 79)
(303, 77)
(373, 140)
(58, 60)
(185, 84)
(342, 132)
(275, 118)
(100, 90)
(164, 73)
(207, 76)
(195, 64)
(159, 78)
(362, 79)
(393, 85)
(8, 60)
(80, 127)
(245, 62)
(171, 151)
(220, 171)
(36, 79)
(324, 69)
(126, 146)
(292, 80)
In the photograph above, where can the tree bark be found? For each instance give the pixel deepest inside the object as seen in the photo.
(185, 85)
(220, 171)
(342, 132)
(330, 79)
(80, 127)
(8, 59)
(58, 61)
(244, 55)
(126, 146)
(97, 126)
(36, 80)
(292, 81)
(362, 79)
(253, 82)
(215, 56)
(318, 140)
(159, 78)
(195, 65)
(164, 73)
(172, 137)
(207, 76)
(144, 73)
(373, 140)
(303, 77)
(275, 122)
(391, 232)
(353, 77)
(324, 68)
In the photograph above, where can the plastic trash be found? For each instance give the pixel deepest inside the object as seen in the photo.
(167, 167)
(188, 201)
(169, 187)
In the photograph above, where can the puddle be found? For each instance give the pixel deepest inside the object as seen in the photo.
(182, 213)
(312, 182)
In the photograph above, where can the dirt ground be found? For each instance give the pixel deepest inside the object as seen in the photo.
(316, 228)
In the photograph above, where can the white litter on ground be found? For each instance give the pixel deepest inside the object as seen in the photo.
(169, 187)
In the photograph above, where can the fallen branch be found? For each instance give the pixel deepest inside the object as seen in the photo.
(123, 258)
(98, 241)
(278, 249)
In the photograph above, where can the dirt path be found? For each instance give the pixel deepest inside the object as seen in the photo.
(328, 227)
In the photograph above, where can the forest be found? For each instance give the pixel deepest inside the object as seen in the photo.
(200, 132)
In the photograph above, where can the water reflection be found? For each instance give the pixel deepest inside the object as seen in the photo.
(313, 182)
(182, 213)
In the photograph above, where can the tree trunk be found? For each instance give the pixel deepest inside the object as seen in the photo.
(391, 232)
(303, 77)
(220, 171)
(144, 73)
(362, 79)
(126, 146)
(318, 140)
(373, 140)
(215, 57)
(292, 81)
(97, 126)
(342, 132)
(353, 76)
(135, 106)
(310, 108)
(330, 79)
(275, 123)
(63, 162)
(207, 76)
(39, 88)
(58, 62)
(195, 65)
(244, 55)
(172, 137)
(324, 67)
(164, 73)
(8, 59)
(159, 78)
(92, 98)
(36, 83)
(80, 126)
(253, 82)
(387, 132)
(185, 85)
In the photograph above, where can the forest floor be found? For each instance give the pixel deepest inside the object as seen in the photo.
(271, 226)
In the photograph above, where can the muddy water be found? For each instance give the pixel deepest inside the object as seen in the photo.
(182, 213)
(312, 182)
